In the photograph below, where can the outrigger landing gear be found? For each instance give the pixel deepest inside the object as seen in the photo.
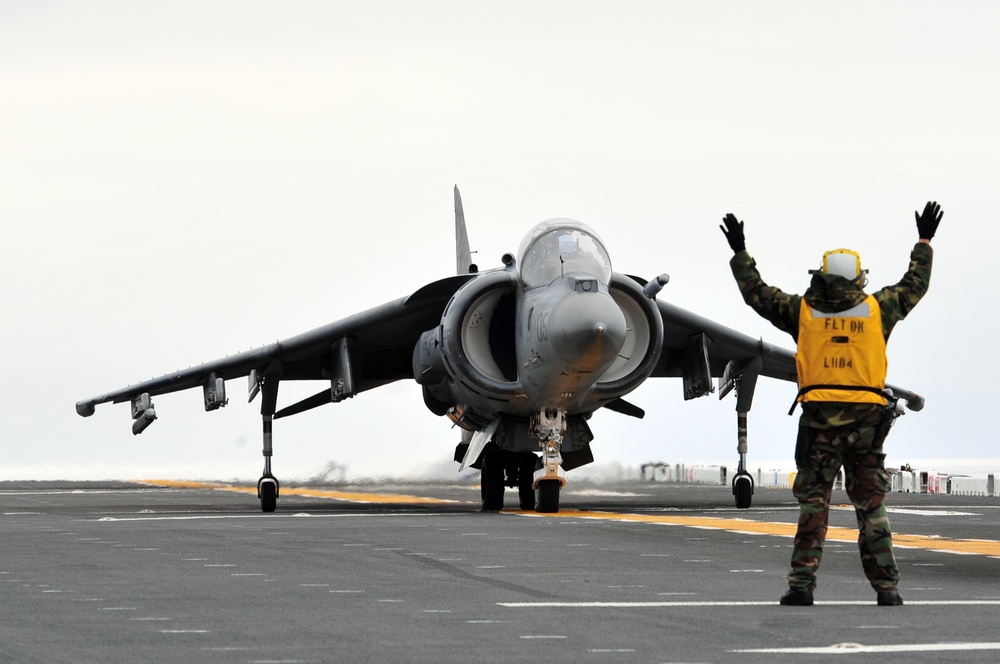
(741, 377)
(267, 485)
(742, 480)
(267, 492)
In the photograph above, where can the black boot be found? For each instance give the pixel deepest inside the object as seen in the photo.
(793, 597)
(889, 598)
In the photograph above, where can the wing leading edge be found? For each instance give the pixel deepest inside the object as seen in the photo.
(379, 351)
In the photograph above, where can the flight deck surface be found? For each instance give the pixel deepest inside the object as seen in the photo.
(626, 572)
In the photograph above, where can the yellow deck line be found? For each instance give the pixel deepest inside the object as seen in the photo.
(959, 546)
(974, 547)
(348, 496)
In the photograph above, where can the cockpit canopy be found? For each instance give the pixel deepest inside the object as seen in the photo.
(560, 246)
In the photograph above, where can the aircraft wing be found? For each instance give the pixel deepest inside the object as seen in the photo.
(692, 339)
(698, 349)
(367, 350)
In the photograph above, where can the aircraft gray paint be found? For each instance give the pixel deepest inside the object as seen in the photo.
(518, 357)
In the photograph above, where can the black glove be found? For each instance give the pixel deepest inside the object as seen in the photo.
(927, 222)
(733, 230)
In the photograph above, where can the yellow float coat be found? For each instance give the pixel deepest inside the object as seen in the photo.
(841, 356)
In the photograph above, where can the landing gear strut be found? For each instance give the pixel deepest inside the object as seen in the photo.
(549, 480)
(267, 485)
(741, 377)
(742, 480)
(502, 469)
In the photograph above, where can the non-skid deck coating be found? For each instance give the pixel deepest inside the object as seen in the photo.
(984, 547)
(632, 572)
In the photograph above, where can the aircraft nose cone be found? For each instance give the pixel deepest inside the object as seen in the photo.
(587, 330)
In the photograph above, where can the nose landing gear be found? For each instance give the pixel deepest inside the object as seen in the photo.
(549, 427)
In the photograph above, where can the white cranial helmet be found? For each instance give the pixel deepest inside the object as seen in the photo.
(842, 262)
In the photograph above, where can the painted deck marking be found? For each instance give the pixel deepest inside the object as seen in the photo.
(747, 526)
(699, 604)
(346, 496)
(742, 526)
(857, 648)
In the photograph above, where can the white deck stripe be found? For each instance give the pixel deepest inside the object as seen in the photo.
(857, 648)
(695, 604)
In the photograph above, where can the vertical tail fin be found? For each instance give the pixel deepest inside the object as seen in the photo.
(463, 254)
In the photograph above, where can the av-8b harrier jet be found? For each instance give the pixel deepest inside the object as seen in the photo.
(519, 357)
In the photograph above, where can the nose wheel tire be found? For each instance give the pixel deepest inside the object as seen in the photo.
(547, 496)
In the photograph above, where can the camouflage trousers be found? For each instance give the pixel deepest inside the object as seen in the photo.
(820, 453)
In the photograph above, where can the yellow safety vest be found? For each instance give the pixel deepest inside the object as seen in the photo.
(841, 356)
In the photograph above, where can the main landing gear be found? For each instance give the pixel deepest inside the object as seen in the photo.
(502, 469)
(538, 481)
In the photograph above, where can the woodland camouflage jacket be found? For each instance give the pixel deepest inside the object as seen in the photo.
(830, 294)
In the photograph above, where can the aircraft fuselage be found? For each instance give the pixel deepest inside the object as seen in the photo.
(569, 332)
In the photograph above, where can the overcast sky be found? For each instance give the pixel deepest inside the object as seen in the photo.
(180, 181)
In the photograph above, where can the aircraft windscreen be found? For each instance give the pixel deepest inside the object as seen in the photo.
(560, 250)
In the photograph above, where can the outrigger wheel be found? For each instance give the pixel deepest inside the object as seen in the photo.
(743, 489)
(267, 491)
